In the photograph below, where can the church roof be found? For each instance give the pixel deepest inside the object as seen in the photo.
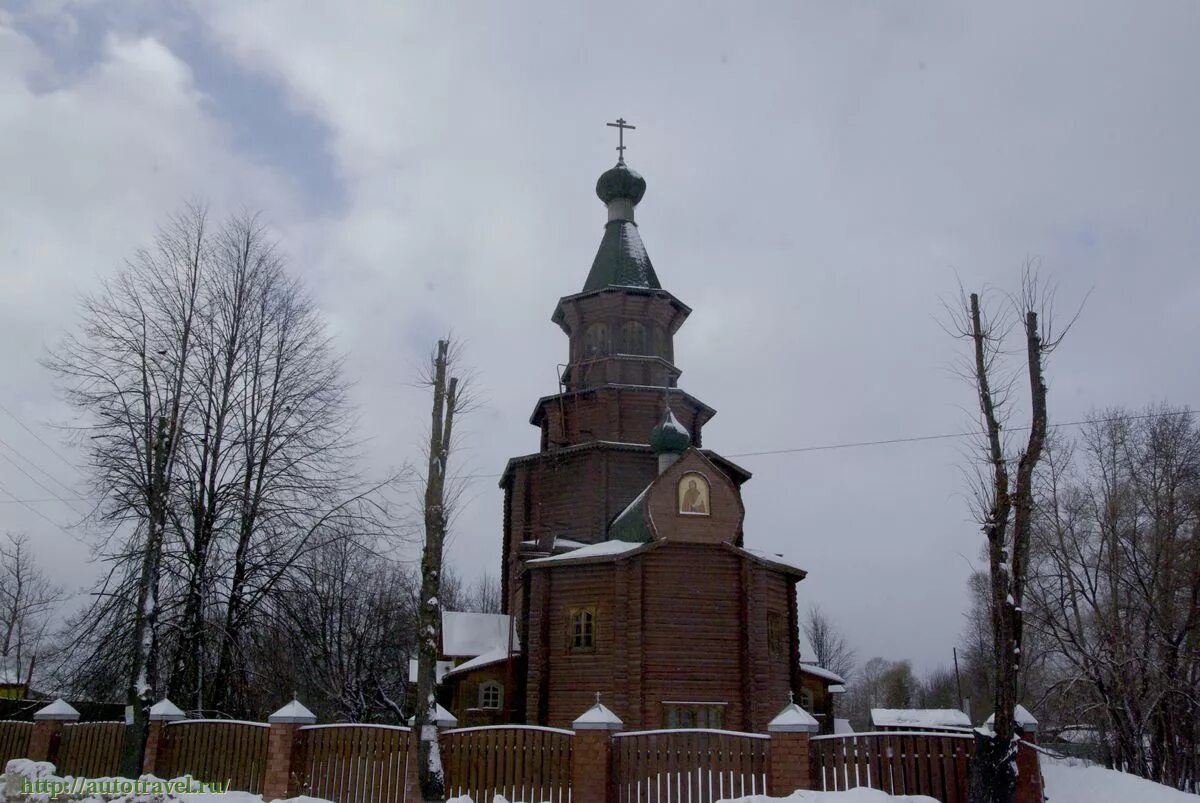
(731, 469)
(630, 523)
(621, 260)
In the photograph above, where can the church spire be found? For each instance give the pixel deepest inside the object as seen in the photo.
(621, 260)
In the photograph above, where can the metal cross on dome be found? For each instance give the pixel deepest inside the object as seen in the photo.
(621, 125)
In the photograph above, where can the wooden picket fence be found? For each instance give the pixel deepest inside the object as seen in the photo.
(895, 762)
(91, 749)
(14, 741)
(688, 766)
(221, 750)
(520, 762)
(356, 763)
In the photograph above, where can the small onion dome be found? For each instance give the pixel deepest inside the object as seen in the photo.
(620, 182)
(669, 436)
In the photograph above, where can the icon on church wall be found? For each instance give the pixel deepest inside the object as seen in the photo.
(693, 495)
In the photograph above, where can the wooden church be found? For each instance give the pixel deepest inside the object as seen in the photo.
(625, 568)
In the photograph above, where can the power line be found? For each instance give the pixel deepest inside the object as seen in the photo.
(38, 438)
(34, 479)
(41, 515)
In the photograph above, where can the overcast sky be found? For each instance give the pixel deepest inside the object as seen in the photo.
(820, 175)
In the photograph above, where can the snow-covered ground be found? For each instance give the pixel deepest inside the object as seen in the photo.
(1071, 780)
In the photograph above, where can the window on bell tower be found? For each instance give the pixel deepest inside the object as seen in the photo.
(595, 340)
(633, 338)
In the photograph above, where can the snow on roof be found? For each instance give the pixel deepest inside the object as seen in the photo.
(919, 718)
(489, 657)
(59, 709)
(293, 712)
(793, 719)
(165, 710)
(439, 670)
(841, 726)
(836, 688)
(602, 549)
(598, 717)
(1024, 719)
(773, 557)
(821, 672)
(465, 635)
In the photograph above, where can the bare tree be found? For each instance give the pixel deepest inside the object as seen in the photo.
(1006, 502)
(219, 436)
(828, 643)
(27, 597)
(451, 398)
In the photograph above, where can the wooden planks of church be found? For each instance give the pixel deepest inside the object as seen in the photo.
(626, 570)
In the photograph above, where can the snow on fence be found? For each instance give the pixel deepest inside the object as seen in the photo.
(688, 765)
(14, 740)
(222, 750)
(91, 749)
(520, 762)
(356, 763)
(895, 762)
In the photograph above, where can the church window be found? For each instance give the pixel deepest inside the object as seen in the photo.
(491, 694)
(775, 640)
(595, 340)
(582, 634)
(633, 338)
(806, 699)
(693, 495)
(693, 715)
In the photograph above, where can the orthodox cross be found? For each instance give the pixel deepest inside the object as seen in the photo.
(621, 125)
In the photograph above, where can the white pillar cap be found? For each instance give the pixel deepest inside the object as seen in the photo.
(294, 713)
(60, 709)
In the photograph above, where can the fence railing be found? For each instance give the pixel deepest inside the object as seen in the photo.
(356, 763)
(14, 741)
(226, 751)
(895, 762)
(688, 766)
(91, 749)
(520, 762)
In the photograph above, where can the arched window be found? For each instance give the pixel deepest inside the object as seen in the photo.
(491, 694)
(582, 634)
(595, 340)
(693, 495)
(633, 338)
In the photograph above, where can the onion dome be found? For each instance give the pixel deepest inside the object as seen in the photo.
(620, 182)
(669, 436)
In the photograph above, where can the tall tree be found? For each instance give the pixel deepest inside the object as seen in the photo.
(219, 436)
(829, 645)
(450, 399)
(27, 597)
(1006, 504)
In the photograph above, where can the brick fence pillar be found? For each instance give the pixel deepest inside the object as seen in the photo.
(154, 760)
(48, 724)
(285, 751)
(790, 767)
(591, 754)
(1030, 787)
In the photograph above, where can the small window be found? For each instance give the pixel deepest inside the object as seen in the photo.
(806, 699)
(491, 695)
(595, 340)
(694, 715)
(693, 495)
(775, 640)
(581, 636)
(633, 338)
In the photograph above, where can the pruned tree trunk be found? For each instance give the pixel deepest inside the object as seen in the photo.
(1007, 522)
(446, 403)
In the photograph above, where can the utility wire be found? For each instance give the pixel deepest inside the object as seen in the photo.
(38, 438)
(41, 515)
